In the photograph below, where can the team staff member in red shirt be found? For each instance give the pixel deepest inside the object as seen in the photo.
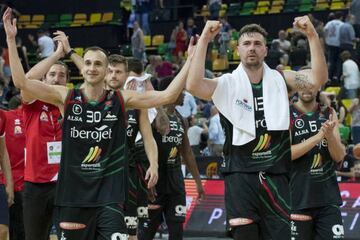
(15, 144)
(6, 184)
(43, 151)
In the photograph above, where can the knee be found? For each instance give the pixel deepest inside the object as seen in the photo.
(300, 217)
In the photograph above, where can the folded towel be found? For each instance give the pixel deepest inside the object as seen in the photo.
(140, 87)
(233, 97)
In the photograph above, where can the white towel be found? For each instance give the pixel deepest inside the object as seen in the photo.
(140, 87)
(233, 97)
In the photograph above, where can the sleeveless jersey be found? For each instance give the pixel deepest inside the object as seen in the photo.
(313, 180)
(42, 123)
(170, 175)
(269, 151)
(15, 144)
(93, 170)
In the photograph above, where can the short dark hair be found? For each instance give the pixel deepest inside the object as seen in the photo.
(96, 48)
(253, 28)
(118, 59)
(135, 65)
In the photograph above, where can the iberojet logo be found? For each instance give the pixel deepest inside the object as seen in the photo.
(244, 104)
(317, 161)
(263, 143)
(100, 133)
(93, 155)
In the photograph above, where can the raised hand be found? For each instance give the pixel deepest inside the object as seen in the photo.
(305, 25)
(60, 36)
(192, 45)
(9, 24)
(211, 29)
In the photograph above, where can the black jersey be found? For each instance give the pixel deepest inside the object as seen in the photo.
(93, 168)
(169, 157)
(137, 152)
(313, 180)
(346, 165)
(269, 151)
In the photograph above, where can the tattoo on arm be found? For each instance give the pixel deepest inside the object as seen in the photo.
(302, 82)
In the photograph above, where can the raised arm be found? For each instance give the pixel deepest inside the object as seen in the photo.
(78, 60)
(196, 84)
(150, 99)
(38, 90)
(319, 69)
(332, 135)
(150, 148)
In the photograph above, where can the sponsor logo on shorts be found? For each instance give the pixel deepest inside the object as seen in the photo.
(142, 212)
(119, 236)
(180, 211)
(17, 130)
(131, 222)
(338, 231)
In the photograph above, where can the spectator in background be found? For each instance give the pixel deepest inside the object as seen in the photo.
(347, 35)
(2, 62)
(191, 28)
(15, 143)
(355, 120)
(274, 56)
(137, 43)
(216, 134)
(332, 40)
(195, 132)
(299, 56)
(189, 107)
(126, 11)
(150, 68)
(214, 8)
(142, 10)
(285, 44)
(45, 45)
(22, 54)
(355, 10)
(350, 75)
(180, 37)
(163, 68)
(6, 64)
(346, 170)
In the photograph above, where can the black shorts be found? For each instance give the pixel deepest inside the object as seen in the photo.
(38, 209)
(172, 205)
(325, 223)
(262, 198)
(98, 223)
(136, 203)
(4, 208)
